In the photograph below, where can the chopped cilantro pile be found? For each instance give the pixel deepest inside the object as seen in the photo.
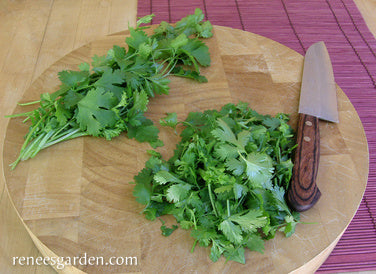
(226, 181)
(110, 95)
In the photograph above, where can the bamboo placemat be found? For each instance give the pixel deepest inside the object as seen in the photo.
(352, 47)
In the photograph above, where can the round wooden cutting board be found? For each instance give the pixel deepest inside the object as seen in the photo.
(75, 198)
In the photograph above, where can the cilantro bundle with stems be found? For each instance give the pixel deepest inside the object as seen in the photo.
(226, 181)
(111, 95)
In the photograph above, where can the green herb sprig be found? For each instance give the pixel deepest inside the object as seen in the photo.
(226, 181)
(111, 95)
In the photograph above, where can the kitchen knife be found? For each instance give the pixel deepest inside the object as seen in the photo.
(318, 100)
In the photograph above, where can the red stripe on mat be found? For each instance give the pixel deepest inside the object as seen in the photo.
(352, 47)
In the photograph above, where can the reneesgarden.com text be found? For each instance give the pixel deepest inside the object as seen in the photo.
(84, 260)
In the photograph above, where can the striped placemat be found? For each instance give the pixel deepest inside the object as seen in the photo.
(352, 47)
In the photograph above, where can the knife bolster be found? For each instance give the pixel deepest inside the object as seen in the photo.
(303, 192)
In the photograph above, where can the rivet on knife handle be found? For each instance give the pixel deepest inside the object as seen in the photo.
(303, 192)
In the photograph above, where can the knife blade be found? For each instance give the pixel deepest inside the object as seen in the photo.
(318, 100)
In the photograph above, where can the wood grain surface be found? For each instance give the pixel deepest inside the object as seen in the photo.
(75, 197)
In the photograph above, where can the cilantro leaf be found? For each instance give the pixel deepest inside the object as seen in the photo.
(226, 151)
(143, 188)
(145, 20)
(272, 123)
(110, 80)
(256, 243)
(99, 63)
(224, 133)
(192, 74)
(235, 254)
(205, 30)
(177, 192)
(179, 41)
(71, 99)
(259, 168)
(224, 188)
(240, 190)
(73, 78)
(250, 221)
(290, 225)
(163, 177)
(236, 166)
(171, 120)
(216, 251)
(84, 66)
(232, 232)
(137, 38)
(189, 24)
(62, 114)
(198, 50)
(167, 231)
(94, 111)
(203, 235)
(140, 102)
(146, 132)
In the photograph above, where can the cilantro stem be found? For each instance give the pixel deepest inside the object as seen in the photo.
(29, 103)
(240, 202)
(67, 136)
(212, 200)
(60, 130)
(192, 59)
(167, 60)
(83, 87)
(31, 147)
(20, 114)
(194, 245)
(172, 67)
(28, 138)
(131, 55)
(277, 150)
(171, 63)
(228, 208)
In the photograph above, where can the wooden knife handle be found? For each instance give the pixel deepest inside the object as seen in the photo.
(303, 192)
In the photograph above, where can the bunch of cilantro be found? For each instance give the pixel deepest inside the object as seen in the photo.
(226, 181)
(111, 95)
